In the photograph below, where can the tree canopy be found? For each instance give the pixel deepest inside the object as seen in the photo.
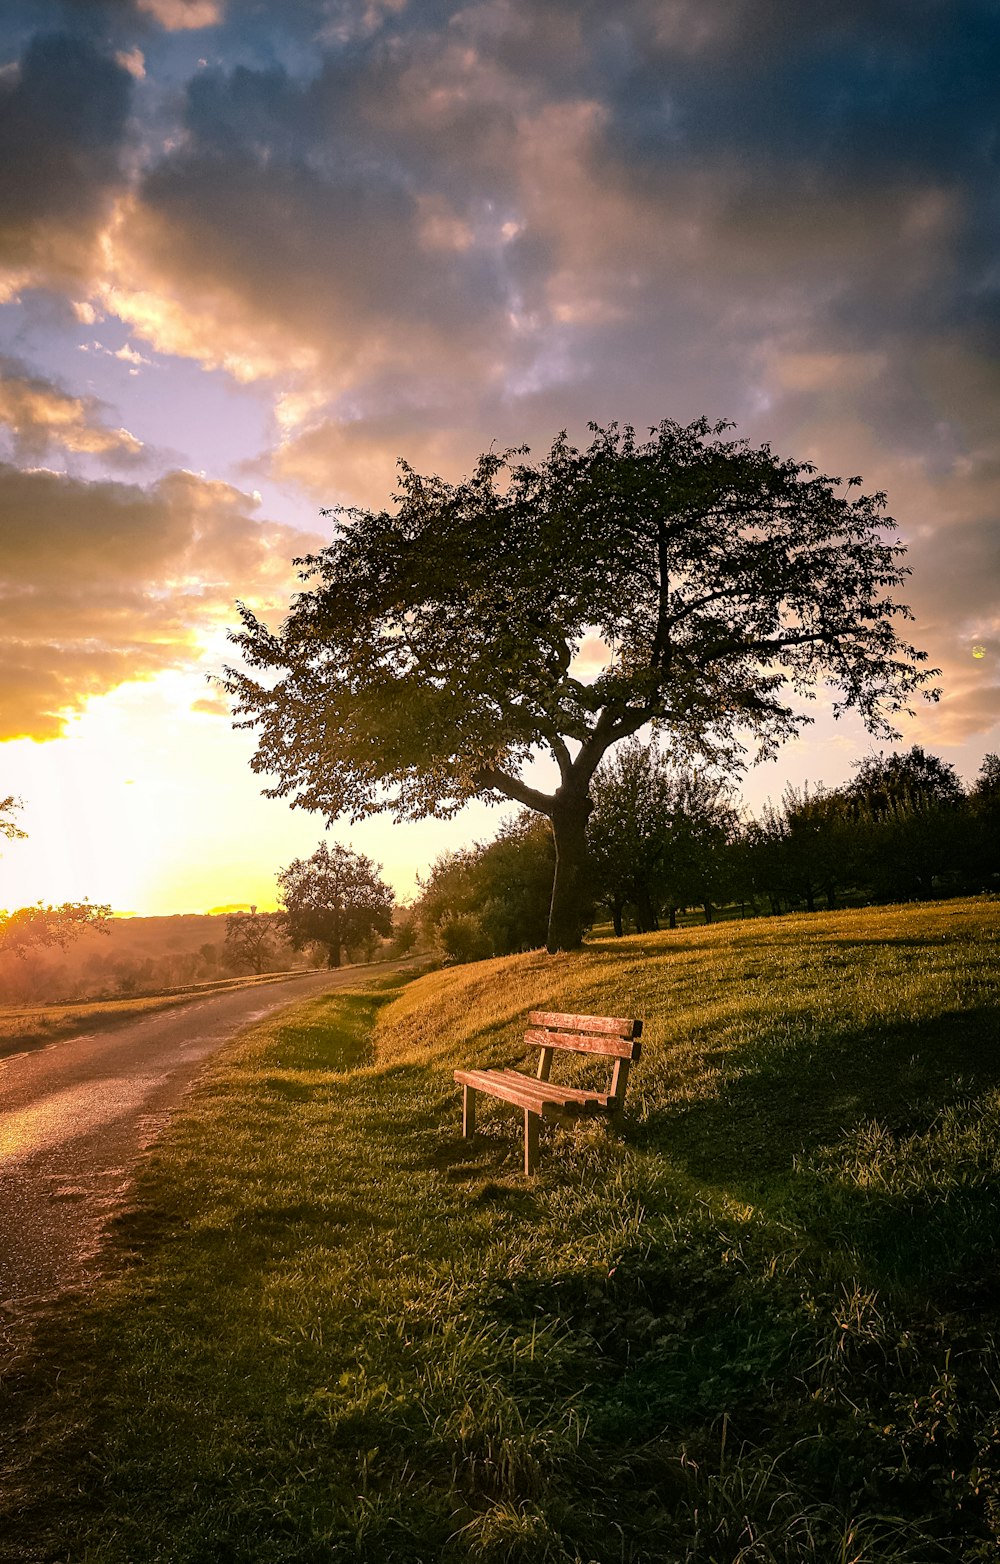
(8, 825)
(251, 936)
(30, 928)
(440, 645)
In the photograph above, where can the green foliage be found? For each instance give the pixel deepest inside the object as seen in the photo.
(902, 829)
(335, 898)
(658, 836)
(433, 649)
(493, 898)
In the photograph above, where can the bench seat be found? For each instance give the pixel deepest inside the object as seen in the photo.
(552, 1101)
(612, 1037)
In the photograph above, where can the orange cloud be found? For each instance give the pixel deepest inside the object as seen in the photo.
(39, 415)
(102, 583)
(182, 15)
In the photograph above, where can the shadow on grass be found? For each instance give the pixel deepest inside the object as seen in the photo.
(844, 1141)
(793, 1098)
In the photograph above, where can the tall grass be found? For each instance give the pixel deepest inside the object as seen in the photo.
(759, 1326)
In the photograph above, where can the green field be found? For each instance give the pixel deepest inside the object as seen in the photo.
(760, 1326)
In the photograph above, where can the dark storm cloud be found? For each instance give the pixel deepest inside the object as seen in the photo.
(63, 117)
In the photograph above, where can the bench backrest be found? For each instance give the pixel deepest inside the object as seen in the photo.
(615, 1037)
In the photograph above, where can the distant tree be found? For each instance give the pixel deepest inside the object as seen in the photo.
(658, 836)
(405, 931)
(8, 825)
(759, 861)
(907, 823)
(336, 898)
(904, 783)
(33, 928)
(982, 845)
(514, 882)
(432, 653)
(817, 843)
(251, 937)
(628, 833)
(703, 826)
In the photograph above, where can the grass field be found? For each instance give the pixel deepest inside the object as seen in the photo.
(762, 1326)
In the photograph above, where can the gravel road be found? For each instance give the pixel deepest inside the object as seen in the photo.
(75, 1115)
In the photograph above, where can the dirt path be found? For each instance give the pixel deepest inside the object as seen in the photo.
(75, 1115)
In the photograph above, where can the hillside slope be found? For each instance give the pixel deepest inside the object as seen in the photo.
(760, 1326)
(761, 1038)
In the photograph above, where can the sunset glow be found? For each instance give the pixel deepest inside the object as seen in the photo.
(249, 257)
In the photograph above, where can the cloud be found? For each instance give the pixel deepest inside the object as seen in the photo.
(106, 582)
(41, 416)
(458, 224)
(182, 15)
(63, 122)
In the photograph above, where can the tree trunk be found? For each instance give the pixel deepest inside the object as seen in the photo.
(616, 917)
(672, 916)
(570, 907)
(708, 911)
(646, 920)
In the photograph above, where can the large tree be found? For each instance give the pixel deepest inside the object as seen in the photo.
(334, 898)
(434, 650)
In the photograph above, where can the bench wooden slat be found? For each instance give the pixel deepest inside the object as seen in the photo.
(528, 1092)
(577, 1042)
(538, 1091)
(613, 1026)
(511, 1091)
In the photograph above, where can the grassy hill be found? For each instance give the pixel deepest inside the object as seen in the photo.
(760, 1326)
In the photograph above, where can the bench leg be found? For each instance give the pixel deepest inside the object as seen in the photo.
(531, 1123)
(468, 1111)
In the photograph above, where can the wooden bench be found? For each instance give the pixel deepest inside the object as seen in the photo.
(610, 1036)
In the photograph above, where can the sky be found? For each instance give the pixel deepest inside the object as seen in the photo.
(254, 251)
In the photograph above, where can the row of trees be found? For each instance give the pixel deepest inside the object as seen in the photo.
(904, 828)
(663, 838)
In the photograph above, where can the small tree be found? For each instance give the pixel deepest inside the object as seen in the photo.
(336, 898)
(658, 836)
(908, 822)
(433, 652)
(982, 847)
(32, 928)
(628, 832)
(251, 937)
(703, 828)
(817, 843)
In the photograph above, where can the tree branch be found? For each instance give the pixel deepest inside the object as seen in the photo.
(513, 787)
